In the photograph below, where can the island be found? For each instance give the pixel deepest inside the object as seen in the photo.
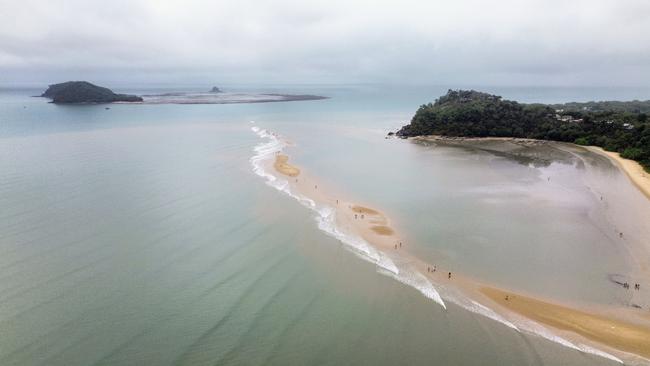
(80, 92)
(83, 92)
(618, 127)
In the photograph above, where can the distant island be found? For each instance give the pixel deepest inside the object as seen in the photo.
(83, 92)
(76, 92)
(621, 127)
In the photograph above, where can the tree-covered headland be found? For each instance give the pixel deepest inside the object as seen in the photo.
(622, 127)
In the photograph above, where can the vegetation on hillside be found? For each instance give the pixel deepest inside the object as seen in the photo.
(635, 106)
(85, 92)
(623, 128)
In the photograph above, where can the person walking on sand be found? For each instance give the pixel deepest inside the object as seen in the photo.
(434, 268)
(449, 276)
(395, 246)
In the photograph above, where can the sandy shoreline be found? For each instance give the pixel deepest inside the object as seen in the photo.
(370, 224)
(634, 171)
(618, 334)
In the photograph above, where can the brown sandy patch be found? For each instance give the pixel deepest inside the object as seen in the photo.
(364, 210)
(617, 334)
(281, 165)
(382, 230)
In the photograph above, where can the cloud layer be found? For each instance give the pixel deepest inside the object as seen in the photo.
(524, 42)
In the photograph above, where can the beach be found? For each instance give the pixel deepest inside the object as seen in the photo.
(634, 171)
(618, 334)
(586, 329)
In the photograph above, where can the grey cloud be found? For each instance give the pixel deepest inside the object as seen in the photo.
(598, 42)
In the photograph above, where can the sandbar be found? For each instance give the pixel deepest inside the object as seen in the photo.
(618, 334)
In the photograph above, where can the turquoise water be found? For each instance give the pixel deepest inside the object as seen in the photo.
(140, 235)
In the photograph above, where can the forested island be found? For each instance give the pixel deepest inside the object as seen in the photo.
(76, 92)
(615, 126)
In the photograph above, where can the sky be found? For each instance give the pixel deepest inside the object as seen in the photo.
(498, 42)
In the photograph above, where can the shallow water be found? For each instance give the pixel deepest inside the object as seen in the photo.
(141, 235)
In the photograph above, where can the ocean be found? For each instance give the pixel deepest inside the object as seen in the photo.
(147, 234)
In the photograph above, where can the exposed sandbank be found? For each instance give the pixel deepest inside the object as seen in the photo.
(281, 165)
(634, 171)
(364, 210)
(382, 230)
(225, 98)
(618, 334)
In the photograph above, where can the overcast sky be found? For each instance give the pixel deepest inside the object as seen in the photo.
(512, 42)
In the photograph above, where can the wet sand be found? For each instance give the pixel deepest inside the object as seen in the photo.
(618, 334)
(634, 171)
(374, 227)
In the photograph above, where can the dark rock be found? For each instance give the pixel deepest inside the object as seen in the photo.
(85, 92)
(215, 90)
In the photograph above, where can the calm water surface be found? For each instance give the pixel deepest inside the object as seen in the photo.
(140, 235)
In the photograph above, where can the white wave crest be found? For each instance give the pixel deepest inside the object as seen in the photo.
(419, 282)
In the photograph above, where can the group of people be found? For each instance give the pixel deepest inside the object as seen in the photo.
(432, 270)
(400, 245)
(636, 286)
